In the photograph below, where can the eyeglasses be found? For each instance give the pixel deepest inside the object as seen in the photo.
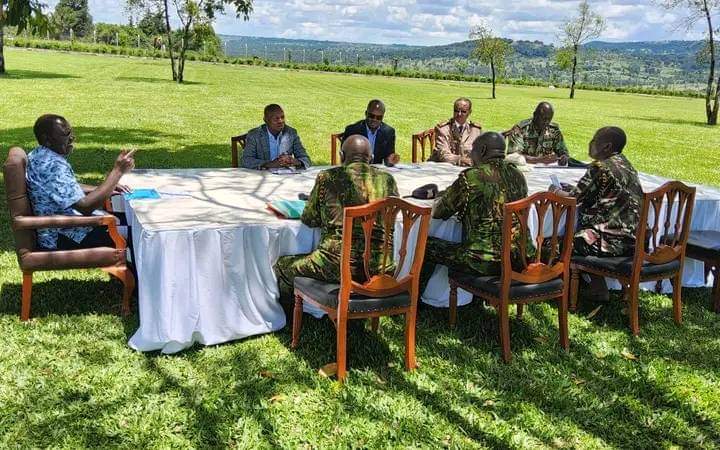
(374, 116)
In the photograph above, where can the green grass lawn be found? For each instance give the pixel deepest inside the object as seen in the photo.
(68, 379)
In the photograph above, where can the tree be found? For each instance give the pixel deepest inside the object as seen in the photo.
(587, 25)
(490, 50)
(193, 15)
(72, 14)
(704, 10)
(23, 14)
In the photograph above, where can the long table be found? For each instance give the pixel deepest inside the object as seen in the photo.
(205, 251)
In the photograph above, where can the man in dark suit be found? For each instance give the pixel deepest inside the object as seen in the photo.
(380, 135)
(274, 144)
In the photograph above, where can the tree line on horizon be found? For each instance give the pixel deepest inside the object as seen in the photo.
(196, 18)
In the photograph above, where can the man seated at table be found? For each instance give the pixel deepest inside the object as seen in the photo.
(454, 138)
(274, 145)
(539, 139)
(477, 197)
(380, 134)
(54, 190)
(354, 183)
(609, 197)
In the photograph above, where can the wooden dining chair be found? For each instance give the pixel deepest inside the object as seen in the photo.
(237, 143)
(379, 294)
(335, 144)
(671, 206)
(544, 276)
(421, 141)
(704, 245)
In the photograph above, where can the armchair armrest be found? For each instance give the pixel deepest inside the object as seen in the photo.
(36, 222)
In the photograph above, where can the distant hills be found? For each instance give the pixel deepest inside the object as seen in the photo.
(662, 64)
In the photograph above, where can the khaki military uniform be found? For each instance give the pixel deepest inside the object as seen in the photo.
(526, 140)
(609, 198)
(347, 185)
(478, 197)
(454, 144)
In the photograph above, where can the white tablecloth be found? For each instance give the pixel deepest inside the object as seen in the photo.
(205, 251)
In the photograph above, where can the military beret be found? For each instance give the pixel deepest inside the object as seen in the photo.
(426, 192)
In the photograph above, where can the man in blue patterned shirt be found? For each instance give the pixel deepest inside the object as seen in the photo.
(54, 190)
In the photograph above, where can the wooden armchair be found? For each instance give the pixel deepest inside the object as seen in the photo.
(31, 259)
(424, 139)
(235, 154)
(547, 277)
(335, 144)
(380, 294)
(671, 206)
(704, 245)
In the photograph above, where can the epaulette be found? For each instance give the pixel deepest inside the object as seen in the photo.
(554, 125)
(524, 123)
(442, 124)
(476, 125)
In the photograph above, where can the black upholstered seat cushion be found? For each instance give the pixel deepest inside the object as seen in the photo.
(491, 285)
(622, 265)
(327, 294)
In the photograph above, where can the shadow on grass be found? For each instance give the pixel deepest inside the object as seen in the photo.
(53, 297)
(666, 121)
(21, 74)
(157, 80)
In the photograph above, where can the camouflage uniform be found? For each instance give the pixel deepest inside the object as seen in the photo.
(453, 144)
(348, 185)
(526, 140)
(477, 197)
(609, 196)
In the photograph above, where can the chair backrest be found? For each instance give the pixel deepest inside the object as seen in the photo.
(550, 261)
(671, 205)
(422, 140)
(383, 214)
(234, 151)
(335, 144)
(17, 198)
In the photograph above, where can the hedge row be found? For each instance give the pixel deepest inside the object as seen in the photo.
(363, 70)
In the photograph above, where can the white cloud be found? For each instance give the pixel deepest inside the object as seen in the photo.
(428, 22)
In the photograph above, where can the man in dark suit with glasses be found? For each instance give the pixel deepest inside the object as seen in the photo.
(380, 134)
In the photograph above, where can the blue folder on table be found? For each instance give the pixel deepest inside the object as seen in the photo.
(289, 209)
(142, 194)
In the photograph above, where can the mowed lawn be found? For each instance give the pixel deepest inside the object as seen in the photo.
(68, 379)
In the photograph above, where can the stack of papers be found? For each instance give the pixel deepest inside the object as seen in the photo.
(287, 209)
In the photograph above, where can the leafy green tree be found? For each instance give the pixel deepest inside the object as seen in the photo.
(23, 14)
(72, 14)
(152, 23)
(578, 30)
(705, 11)
(490, 50)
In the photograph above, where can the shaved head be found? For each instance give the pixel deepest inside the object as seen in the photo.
(487, 146)
(607, 141)
(356, 148)
(55, 133)
(543, 115)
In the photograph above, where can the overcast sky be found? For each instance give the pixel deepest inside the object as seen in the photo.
(429, 22)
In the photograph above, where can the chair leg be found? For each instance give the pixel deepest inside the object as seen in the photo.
(341, 348)
(374, 324)
(574, 287)
(563, 321)
(453, 304)
(505, 332)
(297, 321)
(634, 308)
(677, 298)
(716, 290)
(26, 296)
(410, 362)
(520, 308)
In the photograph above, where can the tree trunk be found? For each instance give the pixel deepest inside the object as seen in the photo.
(168, 32)
(712, 91)
(574, 70)
(492, 69)
(2, 42)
